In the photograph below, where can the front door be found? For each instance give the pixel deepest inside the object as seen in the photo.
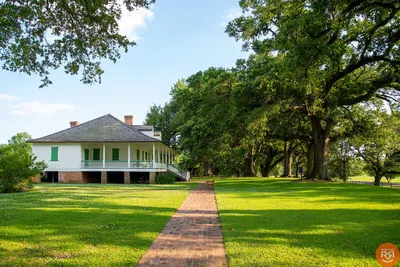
(86, 157)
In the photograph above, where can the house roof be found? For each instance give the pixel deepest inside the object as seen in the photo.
(103, 129)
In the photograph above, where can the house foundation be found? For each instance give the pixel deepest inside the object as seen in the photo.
(152, 177)
(103, 177)
(70, 177)
(127, 178)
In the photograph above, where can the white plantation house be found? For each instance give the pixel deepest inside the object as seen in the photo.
(106, 150)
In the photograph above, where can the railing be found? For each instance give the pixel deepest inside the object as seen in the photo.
(116, 164)
(91, 164)
(141, 164)
(178, 171)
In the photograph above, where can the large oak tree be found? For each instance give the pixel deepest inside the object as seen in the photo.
(333, 54)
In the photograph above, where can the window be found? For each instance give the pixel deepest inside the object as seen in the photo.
(96, 153)
(86, 157)
(115, 154)
(138, 154)
(54, 154)
(86, 154)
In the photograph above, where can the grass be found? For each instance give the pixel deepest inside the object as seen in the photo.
(371, 179)
(279, 222)
(84, 225)
(197, 179)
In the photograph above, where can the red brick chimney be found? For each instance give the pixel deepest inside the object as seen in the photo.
(129, 119)
(73, 123)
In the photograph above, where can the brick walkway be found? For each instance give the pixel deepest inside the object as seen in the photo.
(192, 237)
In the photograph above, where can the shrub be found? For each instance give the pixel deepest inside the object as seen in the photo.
(167, 178)
(18, 165)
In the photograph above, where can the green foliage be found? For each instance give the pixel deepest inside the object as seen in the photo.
(18, 165)
(378, 142)
(163, 119)
(167, 178)
(316, 58)
(37, 35)
(278, 222)
(214, 131)
(314, 68)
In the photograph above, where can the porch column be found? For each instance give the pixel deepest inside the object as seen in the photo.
(169, 156)
(104, 156)
(154, 155)
(158, 150)
(129, 155)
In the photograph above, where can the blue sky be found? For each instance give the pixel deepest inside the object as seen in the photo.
(175, 39)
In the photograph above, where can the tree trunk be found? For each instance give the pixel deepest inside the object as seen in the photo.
(265, 169)
(288, 154)
(321, 142)
(286, 161)
(249, 165)
(345, 177)
(377, 180)
(310, 161)
(269, 163)
(266, 166)
(253, 164)
(209, 170)
(290, 161)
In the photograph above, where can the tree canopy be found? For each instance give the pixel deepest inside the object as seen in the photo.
(315, 69)
(37, 36)
(330, 55)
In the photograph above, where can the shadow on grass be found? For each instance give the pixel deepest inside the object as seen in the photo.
(313, 223)
(83, 227)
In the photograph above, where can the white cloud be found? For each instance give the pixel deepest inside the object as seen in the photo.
(132, 21)
(232, 14)
(9, 97)
(35, 107)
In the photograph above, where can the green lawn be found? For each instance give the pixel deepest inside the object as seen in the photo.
(371, 179)
(87, 225)
(278, 222)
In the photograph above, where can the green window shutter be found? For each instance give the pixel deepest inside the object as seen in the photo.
(143, 155)
(138, 154)
(96, 153)
(86, 154)
(54, 154)
(115, 154)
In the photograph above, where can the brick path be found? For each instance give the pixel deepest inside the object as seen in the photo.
(192, 237)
